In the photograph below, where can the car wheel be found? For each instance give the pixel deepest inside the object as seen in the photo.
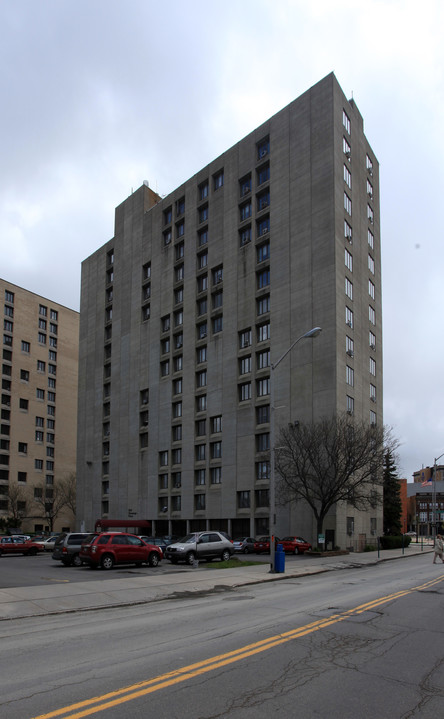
(153, 559)
(191, 558)
(173, 561)
(107, 562)
(246, 550)
(76, 561)
(32, 552)
(296, 550)
(225, 556)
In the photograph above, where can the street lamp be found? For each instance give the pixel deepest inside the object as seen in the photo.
(434, 494)
(314, 332)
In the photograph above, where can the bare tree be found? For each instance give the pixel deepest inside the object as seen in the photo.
(333, 460)
(68, 488)
(18, 501)
(52, 499)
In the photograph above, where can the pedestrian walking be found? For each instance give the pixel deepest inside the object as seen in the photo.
(439, 547)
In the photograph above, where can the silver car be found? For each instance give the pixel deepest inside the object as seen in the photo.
(244, 544)
(200, 545)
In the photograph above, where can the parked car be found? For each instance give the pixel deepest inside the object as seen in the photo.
(200, 545)
(262, 545)
(67, 547)
(109, 548)
(157, 541)
(297, 545)
(244, 544)
(15, 545)
(46, 543)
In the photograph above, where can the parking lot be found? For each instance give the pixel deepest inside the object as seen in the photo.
(20, 571)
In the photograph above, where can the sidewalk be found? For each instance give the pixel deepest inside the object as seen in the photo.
(21, 602)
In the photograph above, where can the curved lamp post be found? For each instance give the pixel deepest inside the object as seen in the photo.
(314, 332)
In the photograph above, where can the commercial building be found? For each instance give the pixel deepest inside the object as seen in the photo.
(38, 429)
(184, 309)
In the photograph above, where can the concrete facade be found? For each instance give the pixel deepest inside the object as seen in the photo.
(183, 310)
(38, 431)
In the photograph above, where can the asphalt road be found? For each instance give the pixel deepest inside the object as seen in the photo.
(20, 571)
(362, 642)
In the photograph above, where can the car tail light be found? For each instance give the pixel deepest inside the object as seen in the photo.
(64, 550)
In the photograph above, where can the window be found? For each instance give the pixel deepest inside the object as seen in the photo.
(40, 393)
(199, 502)
(26, 347)
(199, 477)
(373, 418)
(263, 359)
(201, 378)
(167, 237)
(146, 271)
(180, 206)
(9, 296)
(263, 332)
(349, 376)
(263, 414)
(24, 375)
(349, 345)
(370, 189)
(370, 214)
(263, 442)
(201, 427)
(347, 177)
(218, 275)
(346, 148)
(216, 450)
(176, 456)
(244, 391)
(163, 458)
(245, 338)
(372, 340)
(263, 278)
(245, 186)
(43, 311)
(23, 448)
(262, 387)
(39, 435)
(203, 190)
(178, 318)
(202, 283)
(177, 409)
(347, 204)
(203, 213)
(9, 311)
(216, 475)
(202, 260)
(263, 252)
(201, 403)
(371, 289)
(348, 234)
(167, 216)
(263, 470)
(23, 404)
(52, 369)
(245, 211)
(263, 226)
(217, 299)
(217, 324)
(245, 365)
(372, 366)
(7, 340)
(202, 330)
(371, 264)
(346, 121)
(178, 295)
(372, 392)
(263, 147)
(263, 200)
(178, 363)
(350, 405)
(370, 239)
(245, 236)
(8, 325)
(348, 260)
(165, 346)
(218, 180)
(243, 499)
(201, 354)
(262, 498)
(52, 327)
(176, 501)
(371, 315)
(369, 164)
(178, 340)
(39, 422)
(21, 476)
(179, 273)
(165, 323)
(177, 386)
(216, 424)
(179, 251)
(202, 237)
(165, 368)
(348, 288)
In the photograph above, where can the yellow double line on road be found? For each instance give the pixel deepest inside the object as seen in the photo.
(135, 691)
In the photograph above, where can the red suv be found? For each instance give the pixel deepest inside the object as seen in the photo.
(109, 548)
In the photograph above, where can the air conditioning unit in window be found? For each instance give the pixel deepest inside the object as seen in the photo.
(177, 485)
(372, 347)
(350, 239)
(350, 353)
(350, 412)
(373, 399)
(348, 155)
(263, 153)
(349, 323)
(264, 230)
(246, 190)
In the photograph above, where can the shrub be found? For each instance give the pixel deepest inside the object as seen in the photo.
(394, 541)
(369, 548)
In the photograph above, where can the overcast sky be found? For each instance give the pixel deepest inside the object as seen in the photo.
(98, 96)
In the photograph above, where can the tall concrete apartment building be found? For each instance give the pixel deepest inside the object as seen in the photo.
(183, 311)
(38, 430)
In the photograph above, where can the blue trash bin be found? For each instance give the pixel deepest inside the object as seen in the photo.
(279, 559)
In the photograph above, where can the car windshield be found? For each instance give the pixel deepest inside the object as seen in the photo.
(89, 538)
(188, 538)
